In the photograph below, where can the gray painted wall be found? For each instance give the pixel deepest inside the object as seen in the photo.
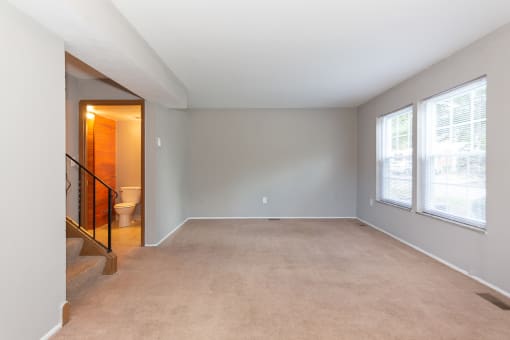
(165, 170)
(32, 145)
(303, 160)
(483, 255)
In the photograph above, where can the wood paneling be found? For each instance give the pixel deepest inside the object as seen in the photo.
(105, 146)
(101, 156)
(89, 164)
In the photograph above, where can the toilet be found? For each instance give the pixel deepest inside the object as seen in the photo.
(130, 197)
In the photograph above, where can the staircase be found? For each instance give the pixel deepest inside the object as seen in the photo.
(87, 257)
(81, 270)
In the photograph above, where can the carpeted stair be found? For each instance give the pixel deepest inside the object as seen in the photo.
(82, 271)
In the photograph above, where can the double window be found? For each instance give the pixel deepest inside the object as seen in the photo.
(451, 158)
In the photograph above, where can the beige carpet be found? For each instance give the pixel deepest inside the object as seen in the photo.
(283, 280)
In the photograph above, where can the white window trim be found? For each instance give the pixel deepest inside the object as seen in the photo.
(420, 149)
(454, 222)
(379, 133)
(395, 204)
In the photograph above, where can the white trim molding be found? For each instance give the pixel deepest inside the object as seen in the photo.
(245, 218)
(438, 259)
(167, 235)
(273, 217)
(57, 327)
(52, 332)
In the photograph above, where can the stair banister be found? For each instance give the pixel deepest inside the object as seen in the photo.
(112, 195)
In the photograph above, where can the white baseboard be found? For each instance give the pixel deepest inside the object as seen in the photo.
(271, 217)
(446, 263)
(52, 332)
(58, 327)
(167, 235)
(241, 218)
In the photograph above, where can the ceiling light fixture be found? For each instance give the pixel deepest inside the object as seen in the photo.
(90, 115)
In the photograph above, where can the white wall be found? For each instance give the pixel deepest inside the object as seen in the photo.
(32, 145)
(129, 154)
(483, 255)
(165, 170)
(304, 161)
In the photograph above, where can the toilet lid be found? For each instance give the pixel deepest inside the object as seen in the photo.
(124, 205)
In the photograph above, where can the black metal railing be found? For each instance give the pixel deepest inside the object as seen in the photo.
(86, 195)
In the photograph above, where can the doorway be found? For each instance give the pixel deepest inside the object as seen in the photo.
(112, 144)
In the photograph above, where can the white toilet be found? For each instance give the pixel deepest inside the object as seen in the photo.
(130, 197)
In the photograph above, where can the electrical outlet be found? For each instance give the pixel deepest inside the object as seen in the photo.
(264, 200)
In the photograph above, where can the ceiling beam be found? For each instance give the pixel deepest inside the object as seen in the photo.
(95, 32)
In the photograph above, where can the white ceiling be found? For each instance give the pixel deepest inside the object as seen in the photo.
(305, 53)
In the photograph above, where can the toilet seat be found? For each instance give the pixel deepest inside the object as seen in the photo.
(125, 205)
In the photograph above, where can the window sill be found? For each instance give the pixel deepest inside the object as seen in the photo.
(395, 205)
(460, 224)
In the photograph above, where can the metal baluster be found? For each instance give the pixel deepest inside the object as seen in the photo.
(79, 197)
(94, 208)
(109, 220)
(82, 186)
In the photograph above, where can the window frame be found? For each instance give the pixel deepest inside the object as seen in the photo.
(379, 151)
(422, 164)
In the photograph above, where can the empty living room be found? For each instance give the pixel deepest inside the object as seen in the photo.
(255, 169)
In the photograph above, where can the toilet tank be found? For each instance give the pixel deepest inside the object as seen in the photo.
(130, 194)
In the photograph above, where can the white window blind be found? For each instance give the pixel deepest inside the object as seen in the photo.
(453, 154)
(395, 157)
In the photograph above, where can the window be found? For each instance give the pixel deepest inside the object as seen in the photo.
(453, 154)
(395, 157)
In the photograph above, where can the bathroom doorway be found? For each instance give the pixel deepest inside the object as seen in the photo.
(112, 141)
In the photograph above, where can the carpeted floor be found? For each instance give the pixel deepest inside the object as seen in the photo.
(288, 279)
